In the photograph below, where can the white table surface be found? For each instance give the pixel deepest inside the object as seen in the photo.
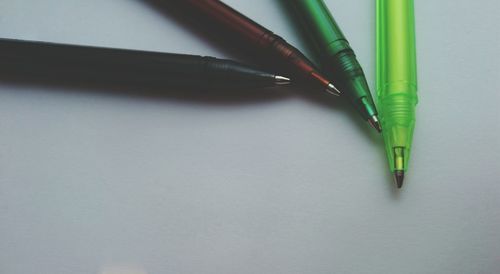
(98, 182)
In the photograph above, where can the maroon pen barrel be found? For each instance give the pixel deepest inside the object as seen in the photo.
(244, 28)
(231, 19)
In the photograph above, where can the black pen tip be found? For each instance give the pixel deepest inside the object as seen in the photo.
(399, 176)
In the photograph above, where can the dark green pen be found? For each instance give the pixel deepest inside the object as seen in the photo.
(338, 60)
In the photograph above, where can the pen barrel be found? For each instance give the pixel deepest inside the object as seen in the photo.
(250, 32)
(321, 28)
(231, 74)
(230, 19)
(87, 63)
(396, 48)
(338, 60)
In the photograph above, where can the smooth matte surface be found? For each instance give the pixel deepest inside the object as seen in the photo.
(98, 182)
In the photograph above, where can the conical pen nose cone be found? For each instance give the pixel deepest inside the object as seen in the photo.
(399, 176)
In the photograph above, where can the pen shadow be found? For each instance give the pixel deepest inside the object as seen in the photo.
(238, 49)
(151, 92)
(376, 139)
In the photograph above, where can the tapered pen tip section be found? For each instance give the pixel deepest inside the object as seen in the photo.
(332, 89)
(399, 176)
(281, 80)
(374, 122)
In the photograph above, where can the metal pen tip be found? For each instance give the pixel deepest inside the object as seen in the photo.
(332, 89)
(399, 176)
(374, 122)
(281, 80)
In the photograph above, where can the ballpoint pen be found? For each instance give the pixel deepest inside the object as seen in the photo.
(238, 26)
(396, 80)
(76, 62)
(338, 60)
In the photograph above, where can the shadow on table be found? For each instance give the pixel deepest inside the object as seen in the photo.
(237, 49)
(144, 91)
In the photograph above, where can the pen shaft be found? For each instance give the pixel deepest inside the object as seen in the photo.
(396, 52)
(126, 66)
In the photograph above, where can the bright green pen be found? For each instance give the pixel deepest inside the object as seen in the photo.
(338, 60)
(396, 80)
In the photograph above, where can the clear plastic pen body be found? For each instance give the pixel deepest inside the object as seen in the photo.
(396, 78)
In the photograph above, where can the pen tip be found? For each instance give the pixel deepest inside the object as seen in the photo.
(330, 88)
(399, 176)
(281, 80)
(374, 122)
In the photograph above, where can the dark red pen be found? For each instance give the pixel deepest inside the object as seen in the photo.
(243, 27)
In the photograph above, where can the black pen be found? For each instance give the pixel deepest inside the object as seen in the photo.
(83, 63)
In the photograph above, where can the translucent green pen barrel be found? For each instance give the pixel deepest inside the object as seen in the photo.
(338, 60)
(396, 78)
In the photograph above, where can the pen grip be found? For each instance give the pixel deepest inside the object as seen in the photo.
(399, 109)
(231, 74)
(288, 53)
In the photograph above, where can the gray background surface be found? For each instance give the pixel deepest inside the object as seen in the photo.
(93, 182)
